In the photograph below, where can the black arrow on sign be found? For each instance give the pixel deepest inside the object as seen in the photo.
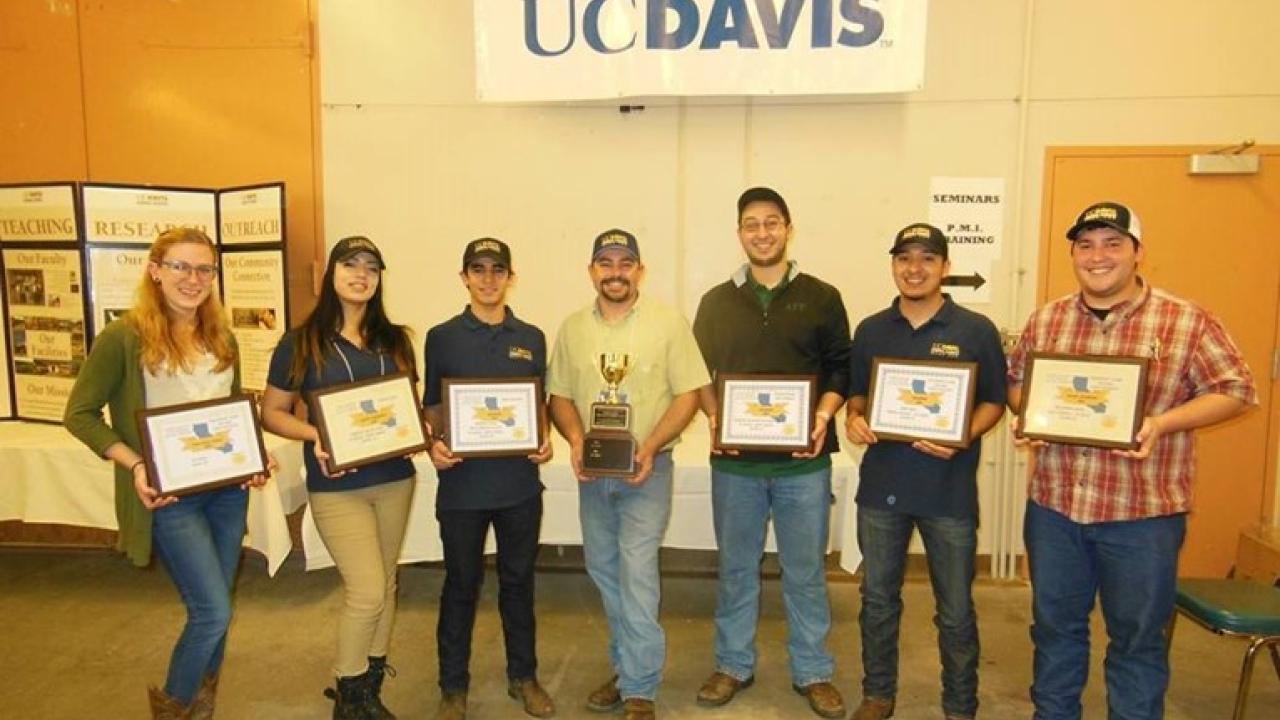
(974, 281)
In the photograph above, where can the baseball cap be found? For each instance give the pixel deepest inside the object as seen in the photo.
(487, 247)
(763, 194)
(615, 238)
(1107, 214)
(923, 234)
(353, 245)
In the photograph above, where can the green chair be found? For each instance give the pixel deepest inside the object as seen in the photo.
(1234, 608)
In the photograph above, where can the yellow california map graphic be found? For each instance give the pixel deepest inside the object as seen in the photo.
(217, 441)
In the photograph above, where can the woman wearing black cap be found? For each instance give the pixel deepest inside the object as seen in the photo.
(361, 515)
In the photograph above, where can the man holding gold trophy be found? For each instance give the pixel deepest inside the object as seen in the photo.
(623, 383)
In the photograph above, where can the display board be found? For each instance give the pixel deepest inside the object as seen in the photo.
(72, 256)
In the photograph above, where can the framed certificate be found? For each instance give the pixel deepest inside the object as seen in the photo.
(366, 421)
(494, 417)
(762, 412)
(201, 446)
(1094, 400)
(911, 400)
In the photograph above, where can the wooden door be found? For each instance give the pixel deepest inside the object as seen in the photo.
(1214, 240)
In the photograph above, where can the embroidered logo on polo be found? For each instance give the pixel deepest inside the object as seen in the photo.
(515, 352)
(947, 350)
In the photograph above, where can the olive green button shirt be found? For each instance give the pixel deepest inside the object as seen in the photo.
(665, 361)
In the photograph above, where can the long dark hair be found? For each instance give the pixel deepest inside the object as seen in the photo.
(324, 323)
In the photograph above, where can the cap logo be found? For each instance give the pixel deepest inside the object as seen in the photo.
(916, 231)
(483, 245)
(614, 239)
(1101, 213)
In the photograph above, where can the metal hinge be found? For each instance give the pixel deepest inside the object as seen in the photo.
(1275, 363)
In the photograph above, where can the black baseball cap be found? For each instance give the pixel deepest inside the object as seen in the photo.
(923, 234)
(353, 245)
(763, 194)
(487, 247)
(615, 238)
(1107, 214)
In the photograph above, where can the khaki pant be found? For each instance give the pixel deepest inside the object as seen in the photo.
(363, 530)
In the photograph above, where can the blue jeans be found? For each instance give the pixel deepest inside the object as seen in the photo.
(198, 540)
(801, 509)
(1133, 567)
(950, 544)
(622, 529)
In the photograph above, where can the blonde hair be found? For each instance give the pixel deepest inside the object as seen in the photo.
(160, 350)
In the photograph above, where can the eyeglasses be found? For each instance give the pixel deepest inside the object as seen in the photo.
(184, 269)
(771, 225)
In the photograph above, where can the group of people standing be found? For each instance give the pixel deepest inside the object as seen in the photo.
(1100, 524)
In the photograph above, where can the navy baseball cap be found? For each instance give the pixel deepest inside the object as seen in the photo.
(615, 238)
(353, 245)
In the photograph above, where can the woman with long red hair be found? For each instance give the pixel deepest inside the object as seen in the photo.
(172, 347)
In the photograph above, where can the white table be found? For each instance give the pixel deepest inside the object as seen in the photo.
(50, 477)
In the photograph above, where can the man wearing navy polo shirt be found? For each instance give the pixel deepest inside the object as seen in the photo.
(905, 486)
(486, 340)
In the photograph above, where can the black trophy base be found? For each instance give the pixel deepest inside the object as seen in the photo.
(609, 454)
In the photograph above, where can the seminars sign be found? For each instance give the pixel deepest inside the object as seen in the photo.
(588, 49)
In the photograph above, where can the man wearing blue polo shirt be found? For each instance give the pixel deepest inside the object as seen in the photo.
(486, 340)
(921, 485)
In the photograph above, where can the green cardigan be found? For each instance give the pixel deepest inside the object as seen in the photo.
(112, 376)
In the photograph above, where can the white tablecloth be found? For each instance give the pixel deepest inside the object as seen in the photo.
(690, 526)
(50, 477)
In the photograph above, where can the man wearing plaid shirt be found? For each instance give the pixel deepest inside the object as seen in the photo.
(1110, 523)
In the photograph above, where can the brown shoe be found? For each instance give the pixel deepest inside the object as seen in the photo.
(164, 707)
(824, 699)
(536, 700)
(873, 708)
(720, 688)
(453, 706)
(202, 705)
(605, 698)
(638, 709)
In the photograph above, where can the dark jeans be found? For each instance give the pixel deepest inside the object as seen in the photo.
(950, 544)
(198, 541)
(463, 533)
(1133, 567)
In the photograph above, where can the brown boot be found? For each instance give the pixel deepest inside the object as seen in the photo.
(164, 707)
(720, 688)
(536, 701)
(874, 708)
(823, 699)
(605, 698)
(638, 709)
(202, 705)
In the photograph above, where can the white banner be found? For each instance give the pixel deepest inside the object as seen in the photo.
(132, 214)
(252, 215)
(585, 49)
(38, 213)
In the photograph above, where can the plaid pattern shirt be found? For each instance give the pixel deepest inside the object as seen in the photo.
(1191, 355)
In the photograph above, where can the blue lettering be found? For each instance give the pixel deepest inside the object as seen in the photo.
(871, 20)
(658, 37)
(531, 30)
(728, 21)
(591, 29)
(778, 30)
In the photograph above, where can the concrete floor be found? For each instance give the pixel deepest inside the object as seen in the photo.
(83, 633)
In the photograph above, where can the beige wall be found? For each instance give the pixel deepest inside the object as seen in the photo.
(412, 159)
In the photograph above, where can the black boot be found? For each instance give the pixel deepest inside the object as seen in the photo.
(352, 698)
(378, 669)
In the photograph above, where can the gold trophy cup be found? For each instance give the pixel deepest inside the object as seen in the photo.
(609, 448)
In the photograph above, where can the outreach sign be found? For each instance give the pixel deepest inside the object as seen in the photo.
(529, 50)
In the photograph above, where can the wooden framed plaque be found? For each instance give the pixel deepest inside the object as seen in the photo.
(931, 400)
(494, 417)
(1094, 400)
(764, 412)
(367, 421)
(201, 446)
